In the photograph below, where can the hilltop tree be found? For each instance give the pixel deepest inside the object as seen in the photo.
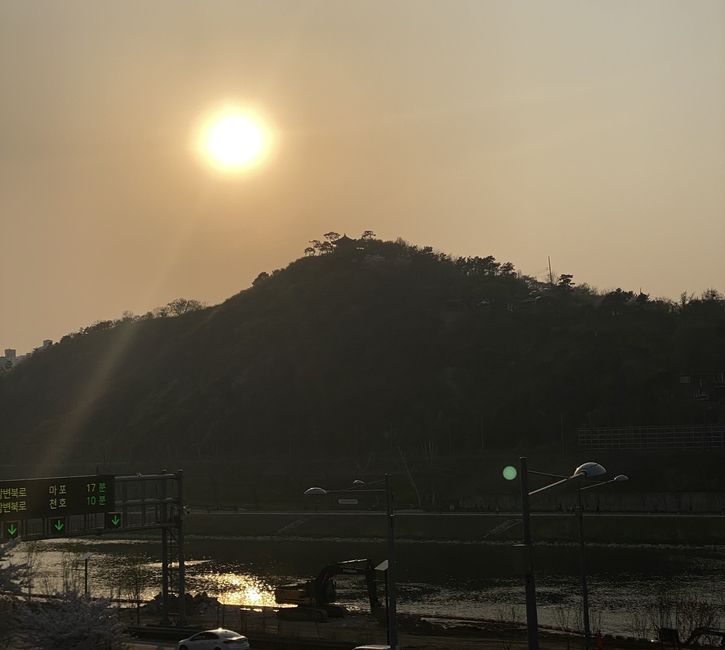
(262, 277)
(565, 282)
(485, 266)
(616, 301)
(181, 306)
(178, 307)
(324, 246)
(712, 295)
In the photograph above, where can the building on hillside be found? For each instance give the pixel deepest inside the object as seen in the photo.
(703, 436)
(345, 242)
(703, 385)
(11, 357)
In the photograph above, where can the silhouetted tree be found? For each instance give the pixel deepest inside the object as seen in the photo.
(712, 295)
(642, 298)
(478, 265)
(565, 282)
(180, 306)
(685, 298)
(321, 247)
(327, 245)
(260, 278)
(616, 301)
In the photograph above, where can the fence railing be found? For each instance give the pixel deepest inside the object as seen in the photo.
(663, 437)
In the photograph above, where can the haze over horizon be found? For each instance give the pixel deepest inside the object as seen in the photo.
(591, 132)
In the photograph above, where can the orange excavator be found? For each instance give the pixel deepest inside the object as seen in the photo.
(315, 599)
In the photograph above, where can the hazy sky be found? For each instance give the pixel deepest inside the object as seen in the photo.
(589, 131)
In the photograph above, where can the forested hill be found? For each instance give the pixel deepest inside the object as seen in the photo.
(365, 345)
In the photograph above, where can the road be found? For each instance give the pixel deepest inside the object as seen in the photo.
(421, 513)
(442, 643)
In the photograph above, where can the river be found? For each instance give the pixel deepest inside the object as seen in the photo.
(629, 586)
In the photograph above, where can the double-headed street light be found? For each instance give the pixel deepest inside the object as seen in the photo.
(584, 471)
(582, 553)
(361, 487)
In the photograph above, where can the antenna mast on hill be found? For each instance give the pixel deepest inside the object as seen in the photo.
(551, 275)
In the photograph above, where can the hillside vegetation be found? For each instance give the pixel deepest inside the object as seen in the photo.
(367, 346)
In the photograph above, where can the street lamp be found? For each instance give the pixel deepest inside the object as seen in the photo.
(582, 553)
(85, 557)
(584, 471)
(359, 486)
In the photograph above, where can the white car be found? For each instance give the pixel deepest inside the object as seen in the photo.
(219, 639)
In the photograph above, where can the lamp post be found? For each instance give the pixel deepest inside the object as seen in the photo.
(582, 554)
(532, 619)
(361, 487)
(584, 471)
(85, 557)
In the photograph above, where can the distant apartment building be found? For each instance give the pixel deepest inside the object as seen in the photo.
(11, 358)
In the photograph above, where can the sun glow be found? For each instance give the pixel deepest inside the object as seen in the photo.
(232, 140)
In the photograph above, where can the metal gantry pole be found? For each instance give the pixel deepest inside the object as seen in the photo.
(164, 557)
(164, 576)
(532, 621)
(391, 590)
(182, 564)
(583, 571)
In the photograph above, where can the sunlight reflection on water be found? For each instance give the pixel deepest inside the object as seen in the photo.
(236, 588)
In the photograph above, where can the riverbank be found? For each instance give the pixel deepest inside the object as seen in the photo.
(604, 528)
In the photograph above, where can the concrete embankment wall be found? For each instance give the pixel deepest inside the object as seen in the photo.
(622, 529)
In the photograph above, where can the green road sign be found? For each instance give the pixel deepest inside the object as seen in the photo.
(11, 529)
(57, 525)
(113, 520)
(56, 497)
(510, 473)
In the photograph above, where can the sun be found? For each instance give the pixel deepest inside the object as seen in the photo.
(232, 140)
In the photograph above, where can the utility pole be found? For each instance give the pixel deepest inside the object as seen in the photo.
(532, 621)
(180, 539)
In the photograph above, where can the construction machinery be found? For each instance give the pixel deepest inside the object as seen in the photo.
(315, 599)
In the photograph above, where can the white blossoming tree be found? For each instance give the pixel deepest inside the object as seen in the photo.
(73, 622)
(12, 577)
(68, 621)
